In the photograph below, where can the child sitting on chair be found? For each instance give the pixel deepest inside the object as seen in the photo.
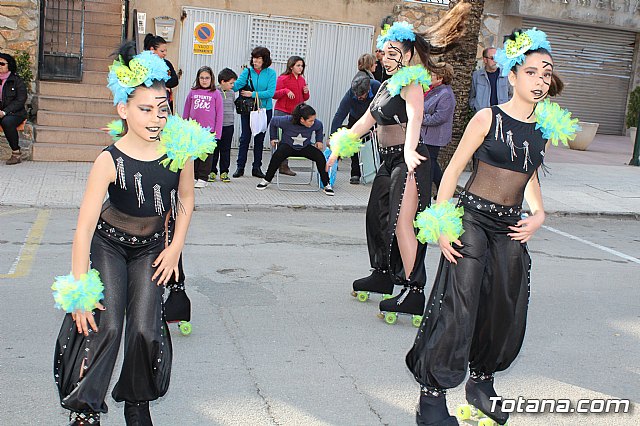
(297, 129)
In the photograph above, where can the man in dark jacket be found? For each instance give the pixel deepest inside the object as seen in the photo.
(12, 100)
(354, 103)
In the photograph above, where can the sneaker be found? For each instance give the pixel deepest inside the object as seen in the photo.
(212, 177)
(263, 184)
(14, 159)
(200, 184)
(328, 190)
(355, 180)
(225, 177)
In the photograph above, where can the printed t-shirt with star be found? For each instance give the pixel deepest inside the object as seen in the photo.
(295, 135)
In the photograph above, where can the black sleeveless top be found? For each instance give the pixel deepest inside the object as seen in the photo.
(142, 188)
(512, 144)
(387, 109)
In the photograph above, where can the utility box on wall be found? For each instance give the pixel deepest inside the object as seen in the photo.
(165, 27)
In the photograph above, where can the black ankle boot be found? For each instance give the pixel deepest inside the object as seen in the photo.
(78, 419)
(137, 414)
(378, 282)
(479, 389)
(238, 173)
(432, 410)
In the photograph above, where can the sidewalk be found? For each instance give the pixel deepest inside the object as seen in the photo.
(593, 182)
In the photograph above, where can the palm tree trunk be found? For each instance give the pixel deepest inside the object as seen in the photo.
(463, 60)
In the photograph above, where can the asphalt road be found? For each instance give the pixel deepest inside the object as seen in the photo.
(277, 339)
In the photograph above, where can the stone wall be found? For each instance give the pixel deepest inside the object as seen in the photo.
(19, 23)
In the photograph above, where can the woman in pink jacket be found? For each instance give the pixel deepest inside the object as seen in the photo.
(291, 91)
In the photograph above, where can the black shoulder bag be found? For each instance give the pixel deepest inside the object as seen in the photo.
(245, 105)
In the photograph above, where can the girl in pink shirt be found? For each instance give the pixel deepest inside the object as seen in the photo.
(204, 105)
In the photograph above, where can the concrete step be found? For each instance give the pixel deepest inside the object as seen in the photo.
(97, 64)
(99, 17)
(95, 77)
(74, 90)
(101, 51)
(71, 136)
(103, 29)
(102, 40)
(62, 152)
(82, 120)
(74, 105)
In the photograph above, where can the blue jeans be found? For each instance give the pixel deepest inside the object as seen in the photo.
(258, 141)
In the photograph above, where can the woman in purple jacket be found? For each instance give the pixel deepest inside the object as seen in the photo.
(437, 122)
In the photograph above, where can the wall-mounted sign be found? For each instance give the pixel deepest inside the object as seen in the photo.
(203, 35)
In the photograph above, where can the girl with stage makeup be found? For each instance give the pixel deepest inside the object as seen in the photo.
(402, 185)
(120, 259)
(476, 314)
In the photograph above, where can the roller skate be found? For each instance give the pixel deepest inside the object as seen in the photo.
(137, 414)
(432, 410)
(81, 419)
(479, 389)
(177, 308)
(410, 301)
(378, 282)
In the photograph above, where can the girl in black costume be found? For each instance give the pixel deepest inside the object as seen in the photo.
(476, 313)
(402, 185)
(120, 262)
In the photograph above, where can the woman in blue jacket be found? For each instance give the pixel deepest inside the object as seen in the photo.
(258, 79)
(437, 122)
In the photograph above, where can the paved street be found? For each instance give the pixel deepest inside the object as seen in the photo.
(278, 339)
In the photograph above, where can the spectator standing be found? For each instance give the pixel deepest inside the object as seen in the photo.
(13, 96)
(291, 91)
(380, 73)
(256, 80)
(204, 105)
(158, 45)
(353, 105)
(367, 65)
(226, 79)
(488, 86)
(437, 122)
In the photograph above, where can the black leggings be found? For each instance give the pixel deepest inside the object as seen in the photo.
(125, 270)
(9, 125)
(476, 314)
(436, 171)
(285, 151)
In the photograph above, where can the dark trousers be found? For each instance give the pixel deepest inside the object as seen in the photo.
(201, 169)
(436, 171)
(9, 125)
(258, 141)
(126, 272)
(355, 165)
(223, 151)
(476, 314)
(385, 199)
(285, 151)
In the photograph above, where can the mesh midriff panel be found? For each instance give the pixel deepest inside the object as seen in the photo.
(132, 225)
(501, 186)
(390, 135)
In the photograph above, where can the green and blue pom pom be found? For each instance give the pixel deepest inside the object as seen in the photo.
(344, 143)
(71, 295)
(144, 68)
(182, 140)
(555, 122)
(439, 219)
(399, 31)
(115, 129)
(408, 75)
(513, 51)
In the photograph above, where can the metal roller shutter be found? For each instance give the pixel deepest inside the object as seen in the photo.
(596, 67)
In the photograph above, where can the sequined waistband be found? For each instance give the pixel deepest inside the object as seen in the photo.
(111, 232)
(475, 202)
(393, 149)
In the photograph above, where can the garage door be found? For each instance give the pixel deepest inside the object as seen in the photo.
(596, 66)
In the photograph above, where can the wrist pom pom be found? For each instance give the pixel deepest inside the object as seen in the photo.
(183, 140)
(83, 294)
(555, 122)
(344, 143)
(439, 219)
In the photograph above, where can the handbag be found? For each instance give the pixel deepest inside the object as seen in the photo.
(258, 118)
(245, 105)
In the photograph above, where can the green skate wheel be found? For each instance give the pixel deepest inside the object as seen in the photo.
(390, 317)
(463, 412)
(363, 296)
(416, 320)
(480, 414)
(487, 422)
(185, 328)
(386, 296)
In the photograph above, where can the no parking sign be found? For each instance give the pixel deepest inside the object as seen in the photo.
(203, 35)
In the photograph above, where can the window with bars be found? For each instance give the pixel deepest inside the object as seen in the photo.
(282, 38)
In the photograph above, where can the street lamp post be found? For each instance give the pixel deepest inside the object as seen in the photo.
(635, 159)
